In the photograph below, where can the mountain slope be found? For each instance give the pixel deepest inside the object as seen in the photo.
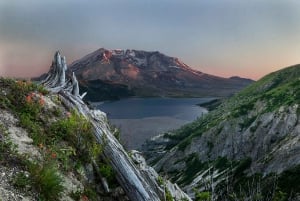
(251, 141)
(54, 147)
(47, 151)
(150, 74)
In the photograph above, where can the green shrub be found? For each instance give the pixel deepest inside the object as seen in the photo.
(107, 171)
(78, 132)
(46, 180)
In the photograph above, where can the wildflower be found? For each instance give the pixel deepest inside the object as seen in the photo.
(42, 101)
(19, 83)
(29, 98)
(53, 155)
(68, 114)
(41, 146)
(84, 198)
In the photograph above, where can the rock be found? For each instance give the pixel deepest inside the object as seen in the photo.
(71, 184)
(89, 172)
(174, 189)
(19, 136)
(7, 191)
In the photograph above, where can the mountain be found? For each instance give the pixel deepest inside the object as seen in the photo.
(248, 148)
(120, 73)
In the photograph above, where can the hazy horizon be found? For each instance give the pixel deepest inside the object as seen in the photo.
(220, 37)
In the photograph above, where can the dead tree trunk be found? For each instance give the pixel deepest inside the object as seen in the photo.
(136, 184)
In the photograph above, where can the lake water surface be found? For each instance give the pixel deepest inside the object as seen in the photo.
(142, 118)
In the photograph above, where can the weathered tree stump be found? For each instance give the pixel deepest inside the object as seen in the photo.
(139, 183)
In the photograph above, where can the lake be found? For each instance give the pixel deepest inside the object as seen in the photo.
(142, 118)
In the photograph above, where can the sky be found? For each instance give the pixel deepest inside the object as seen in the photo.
(247, 38)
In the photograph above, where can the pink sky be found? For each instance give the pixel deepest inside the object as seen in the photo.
(20, 62)
(225, 38)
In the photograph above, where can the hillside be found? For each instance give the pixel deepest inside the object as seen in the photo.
(108, 74)
(41, 156)
(248, 148)
(53, 147)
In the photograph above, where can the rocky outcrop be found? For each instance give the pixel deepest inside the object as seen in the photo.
(137, 184)
(256, 132)
(270, 140)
